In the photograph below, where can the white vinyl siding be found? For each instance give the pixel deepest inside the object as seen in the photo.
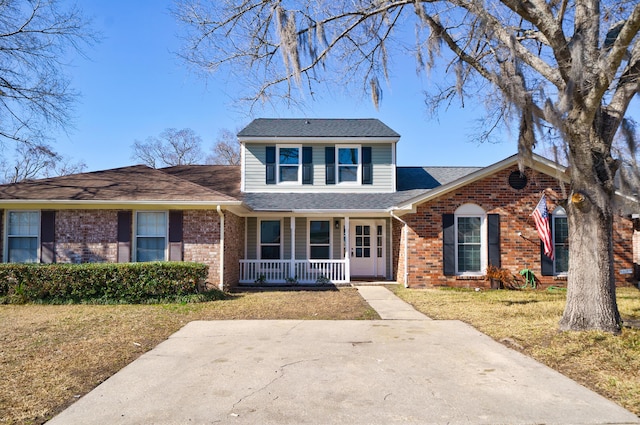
(255, 170)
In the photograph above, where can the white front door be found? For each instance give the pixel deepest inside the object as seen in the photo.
(367, 252)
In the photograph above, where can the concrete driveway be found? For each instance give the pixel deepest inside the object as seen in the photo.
(338, 372)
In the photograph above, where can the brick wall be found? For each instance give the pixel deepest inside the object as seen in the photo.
(201, 240)
(234, 227)
(495, 196)
(83, 236)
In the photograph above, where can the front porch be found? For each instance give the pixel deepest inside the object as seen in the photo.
(306, 272)
(307, 250)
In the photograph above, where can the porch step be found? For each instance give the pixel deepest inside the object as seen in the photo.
(388, 305)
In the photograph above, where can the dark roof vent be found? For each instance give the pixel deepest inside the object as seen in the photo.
(517, 181)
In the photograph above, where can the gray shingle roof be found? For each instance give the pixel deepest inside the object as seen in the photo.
(313, 127)
(409, 178)
(412, 182)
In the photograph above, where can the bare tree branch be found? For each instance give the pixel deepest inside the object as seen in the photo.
(36, 37)
(171, 147)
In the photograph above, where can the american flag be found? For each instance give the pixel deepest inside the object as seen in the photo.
(541, 217)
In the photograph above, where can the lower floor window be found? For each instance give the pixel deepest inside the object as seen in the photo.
(319, 240)
(22, 236)
(469, 244)
(560, 244)
(270, 239)
(151, 236)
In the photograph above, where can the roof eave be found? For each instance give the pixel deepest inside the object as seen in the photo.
(60, 203)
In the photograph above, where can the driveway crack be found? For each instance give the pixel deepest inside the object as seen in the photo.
(281, 374)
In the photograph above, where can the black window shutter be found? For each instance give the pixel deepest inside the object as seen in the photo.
(124, 236)
(307, 165)
(449, 245)
(271, 164)
(47, 236)
(546, 263)
(330, 164)
(175, 236)
(367, 167)
(493, 221)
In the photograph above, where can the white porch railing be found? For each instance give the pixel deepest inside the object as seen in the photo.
(305, 271)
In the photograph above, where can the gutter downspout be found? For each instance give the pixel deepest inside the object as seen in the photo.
(221, 276)
(405, 234)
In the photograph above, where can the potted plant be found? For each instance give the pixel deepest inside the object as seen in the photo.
(497, 276)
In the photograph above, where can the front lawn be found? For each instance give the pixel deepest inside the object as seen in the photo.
(527, 321)
(50, 355)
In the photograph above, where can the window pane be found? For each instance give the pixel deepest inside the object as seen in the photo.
(319, 232)
(150, 249)
(270, 232)
(348, 174)
(289, 156)
(270, 252)
(562, 258)
(469, 230)
(24, 223)
(561, 246)
(468, 258)
(151, 224)
(288, 174)
(23, 250)
(319, 252)
(561, 230)
(348, 156)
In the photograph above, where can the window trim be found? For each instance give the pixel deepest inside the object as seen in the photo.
(359, 165)
(278, 165)
(5, 252)
(471, 211)
(259, 239)
(136, 236)
(330, 221)
(558, 212)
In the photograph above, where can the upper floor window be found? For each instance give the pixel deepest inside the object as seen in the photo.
(560, 241)
(151, 235)
(471, 240)
(289, 164)
(348, 164)
(23, 231)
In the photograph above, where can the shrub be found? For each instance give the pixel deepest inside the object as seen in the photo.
(100, 282)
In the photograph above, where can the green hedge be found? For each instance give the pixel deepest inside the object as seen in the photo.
(100, 282)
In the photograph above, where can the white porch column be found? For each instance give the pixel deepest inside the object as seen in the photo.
(347, 250)
(292, 265)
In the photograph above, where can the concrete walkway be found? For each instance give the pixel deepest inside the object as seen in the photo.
(388, 306)
(399, 370)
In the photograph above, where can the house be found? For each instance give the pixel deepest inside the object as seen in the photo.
(314, 201)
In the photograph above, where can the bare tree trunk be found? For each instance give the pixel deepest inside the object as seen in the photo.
(591, 293)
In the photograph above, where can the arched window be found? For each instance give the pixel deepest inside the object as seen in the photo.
(470, 240)
(560, 241)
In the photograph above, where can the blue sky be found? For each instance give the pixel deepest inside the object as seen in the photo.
(133, 86)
